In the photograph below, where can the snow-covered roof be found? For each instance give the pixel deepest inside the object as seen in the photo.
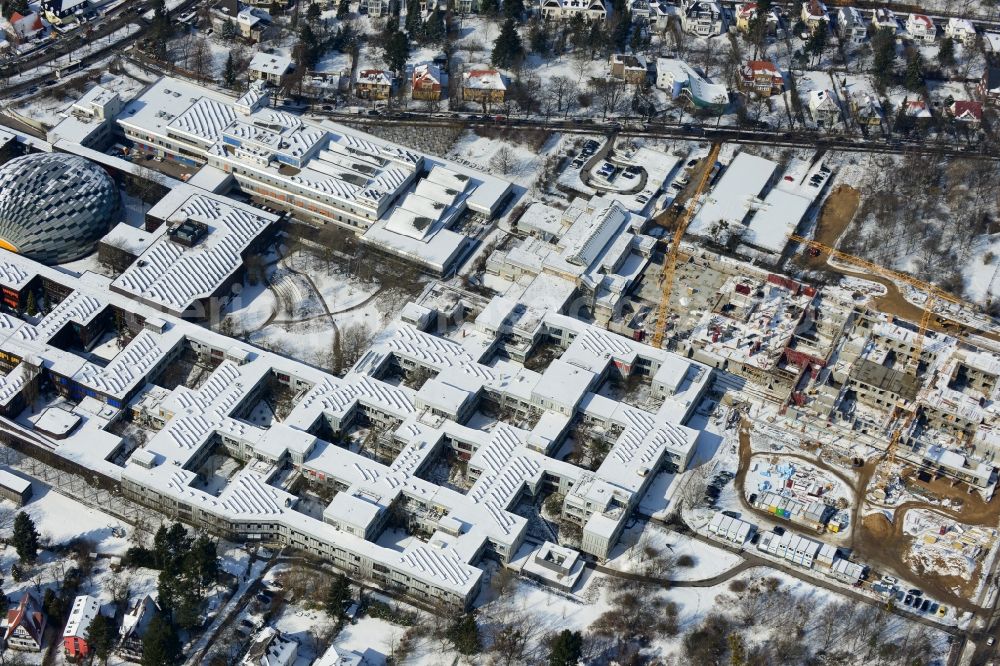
(780, 214)
(483, 79)
(13, 482)
(269, 63)
(174, 276)
(378, 77)
(85, 609)
(731, 198)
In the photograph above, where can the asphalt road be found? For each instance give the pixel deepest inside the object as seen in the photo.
(71, 42)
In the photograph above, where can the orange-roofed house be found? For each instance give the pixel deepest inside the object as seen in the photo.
(761, 77)
(25, 626)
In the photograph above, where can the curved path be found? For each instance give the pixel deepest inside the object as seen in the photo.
(882, 548)
(717, 579)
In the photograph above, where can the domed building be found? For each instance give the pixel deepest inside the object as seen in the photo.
(55, 207)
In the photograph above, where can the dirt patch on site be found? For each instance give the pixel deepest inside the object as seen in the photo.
(877, 526)
(838, 211)
(880, 541)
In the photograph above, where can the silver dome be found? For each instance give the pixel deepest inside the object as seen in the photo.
(54, 207)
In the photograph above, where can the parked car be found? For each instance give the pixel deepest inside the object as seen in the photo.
(909, 600)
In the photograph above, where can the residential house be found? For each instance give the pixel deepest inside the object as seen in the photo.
(867, 110)
(377, 8)
(966, 111)
(681, 80)
(921, 28)
(762, 78)
(133, 628)
(270, 648)
(961, 30)
(660, 15)
(335, 656)
(60, 12)
(25, 627)
(484, 86)
(467, 6)
(824, 108)
(884, 19)
(744, 14)
(272, 68)
(374, 84)
(702, 17)
(747, 12)
(85, 609)
(989, 85)
(564, 10)
(851, 26)
(916, 110)
(991, 42)
(631, 68)
(25, 27)
(640, 9)
(428, 82)
(814, 15)
(252, 23)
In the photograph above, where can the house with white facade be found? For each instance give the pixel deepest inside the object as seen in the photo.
(824, 108)
(885, 19)
(921, 28)
(702, 17)
(565, 10)
(961, 30)
(851, 26)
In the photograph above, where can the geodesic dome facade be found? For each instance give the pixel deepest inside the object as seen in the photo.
(55, 207)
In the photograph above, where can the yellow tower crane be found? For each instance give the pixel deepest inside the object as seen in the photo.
(670, 262)
(933, 294)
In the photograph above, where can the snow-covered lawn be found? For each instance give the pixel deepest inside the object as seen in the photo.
(60, 519)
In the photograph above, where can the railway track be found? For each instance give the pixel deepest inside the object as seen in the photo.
(674, 131)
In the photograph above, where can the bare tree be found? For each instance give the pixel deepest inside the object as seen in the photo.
(201, 59)
(504, 161)
(354, 340)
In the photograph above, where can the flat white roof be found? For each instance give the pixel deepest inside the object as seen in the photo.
(771, 226)
(352, 509)
(56, 421)
(730, 199)
(14, 482)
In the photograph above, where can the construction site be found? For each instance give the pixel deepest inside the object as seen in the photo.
(866, 398)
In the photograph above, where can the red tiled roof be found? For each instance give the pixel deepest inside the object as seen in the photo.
(762, 66)
(967, 107)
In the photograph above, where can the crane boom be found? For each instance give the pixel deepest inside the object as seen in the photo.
(670, 262)
(933, 294)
